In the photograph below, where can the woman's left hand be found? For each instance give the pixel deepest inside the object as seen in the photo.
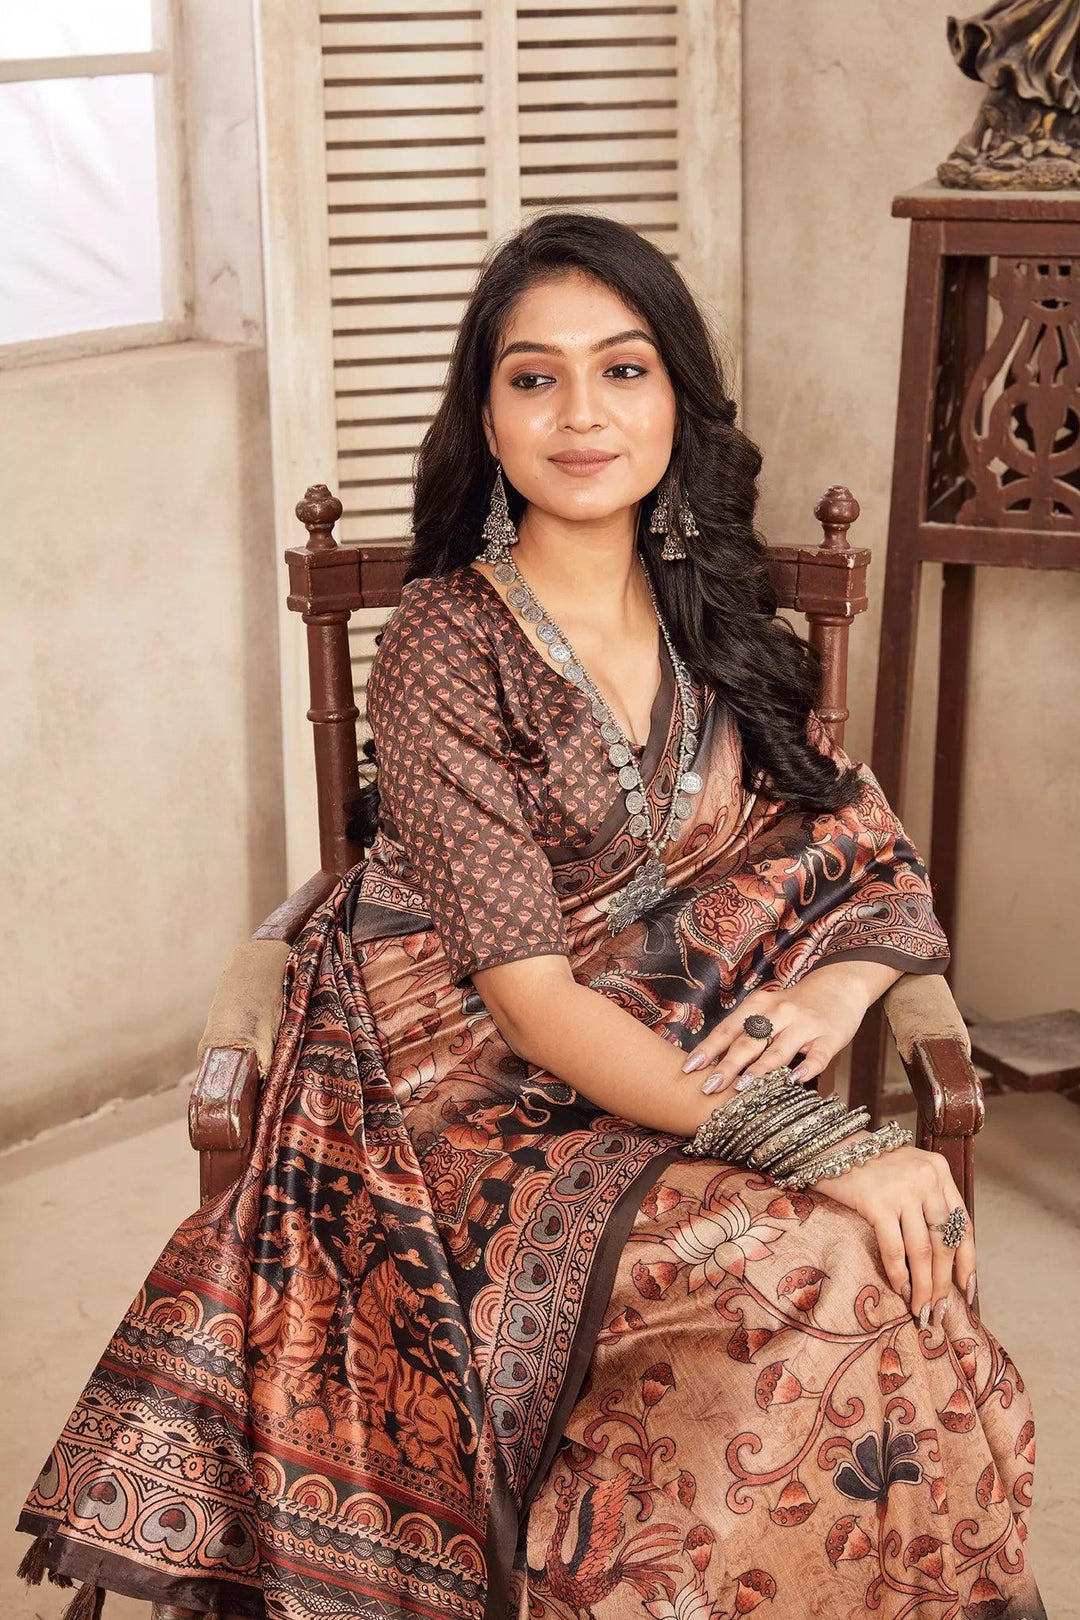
(816, 1017)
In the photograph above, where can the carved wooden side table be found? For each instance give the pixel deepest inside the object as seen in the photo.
(986, 471)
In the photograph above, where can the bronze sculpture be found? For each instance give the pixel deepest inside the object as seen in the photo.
(1026, 135)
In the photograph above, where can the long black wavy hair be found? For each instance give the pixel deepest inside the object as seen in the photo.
(718, 604)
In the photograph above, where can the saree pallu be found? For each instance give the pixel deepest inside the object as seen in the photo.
(458, 1343)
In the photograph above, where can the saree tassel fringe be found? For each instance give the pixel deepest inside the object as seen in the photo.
(32, 1567)
(86, 1604)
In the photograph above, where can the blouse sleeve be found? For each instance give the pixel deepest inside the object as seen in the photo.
(887, 912)
(448, 791)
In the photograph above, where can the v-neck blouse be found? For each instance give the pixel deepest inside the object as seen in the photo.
(655, 711)
(492, 771)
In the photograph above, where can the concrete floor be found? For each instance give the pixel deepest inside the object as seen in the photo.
(87, 1209)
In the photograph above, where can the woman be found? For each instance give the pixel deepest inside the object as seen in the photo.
(473, 1334)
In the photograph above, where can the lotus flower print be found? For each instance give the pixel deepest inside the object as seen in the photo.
(721, 1238)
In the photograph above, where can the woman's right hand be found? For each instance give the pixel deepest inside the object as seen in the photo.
(901, 1193)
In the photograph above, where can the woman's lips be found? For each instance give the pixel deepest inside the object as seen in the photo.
(580, 465)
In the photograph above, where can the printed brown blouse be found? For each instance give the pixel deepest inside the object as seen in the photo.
(493, 777)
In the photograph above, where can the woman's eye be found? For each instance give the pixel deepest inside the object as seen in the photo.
(628, 365)
(528, 376)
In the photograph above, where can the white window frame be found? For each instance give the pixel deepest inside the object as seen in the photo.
(164, 60)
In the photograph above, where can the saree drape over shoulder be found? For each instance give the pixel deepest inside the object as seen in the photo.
(459, 1343)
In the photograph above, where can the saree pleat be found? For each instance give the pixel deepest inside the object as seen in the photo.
(367, 1379)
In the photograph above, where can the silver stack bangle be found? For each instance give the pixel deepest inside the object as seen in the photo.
(775, 1121)
(852, 1122)
(799, 1132)
(763, 1126)
(883, 1140)
(713, 1134)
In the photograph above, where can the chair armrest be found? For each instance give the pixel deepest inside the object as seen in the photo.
(237, 1043)
(920, 1006)
(246, 1010)
(221, 1108)
(286, 922)
(936, 1051)
(933, 1043)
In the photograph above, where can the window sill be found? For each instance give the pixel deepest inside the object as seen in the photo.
(84, 345)
(160, 351)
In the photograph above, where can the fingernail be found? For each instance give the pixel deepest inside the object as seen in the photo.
(713, 1083)
(745, 1081)
(939, 1311)
(694, 1062)
(970, 1289)
(905, 1293)
(798, 1074)
(924, 1315)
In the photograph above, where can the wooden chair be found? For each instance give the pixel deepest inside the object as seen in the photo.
(328, 582)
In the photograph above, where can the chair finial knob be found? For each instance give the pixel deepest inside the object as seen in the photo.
(318, 512)
(836, 512)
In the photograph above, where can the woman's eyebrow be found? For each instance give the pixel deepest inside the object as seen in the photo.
(523, 346)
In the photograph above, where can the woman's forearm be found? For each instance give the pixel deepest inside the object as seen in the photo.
(869, 979)
(582, 1036)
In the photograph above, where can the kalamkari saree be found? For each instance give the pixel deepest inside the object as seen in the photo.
(458, 1343)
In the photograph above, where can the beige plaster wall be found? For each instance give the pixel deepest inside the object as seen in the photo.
(140, 747)
(845, 105)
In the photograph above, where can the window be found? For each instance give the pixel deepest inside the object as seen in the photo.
(93, 242)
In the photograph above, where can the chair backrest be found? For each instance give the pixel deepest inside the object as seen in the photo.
(328, 582)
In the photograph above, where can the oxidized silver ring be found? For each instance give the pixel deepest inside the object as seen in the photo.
(758, 1027)
(953, 1230)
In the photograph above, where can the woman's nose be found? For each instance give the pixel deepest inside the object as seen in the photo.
(581, 406)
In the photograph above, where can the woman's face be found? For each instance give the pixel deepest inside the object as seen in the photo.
(560, 386)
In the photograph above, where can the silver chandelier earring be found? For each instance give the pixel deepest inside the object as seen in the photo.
(662, 523)
(499, 532)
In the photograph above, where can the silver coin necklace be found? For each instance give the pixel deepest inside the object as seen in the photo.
(648, 884)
